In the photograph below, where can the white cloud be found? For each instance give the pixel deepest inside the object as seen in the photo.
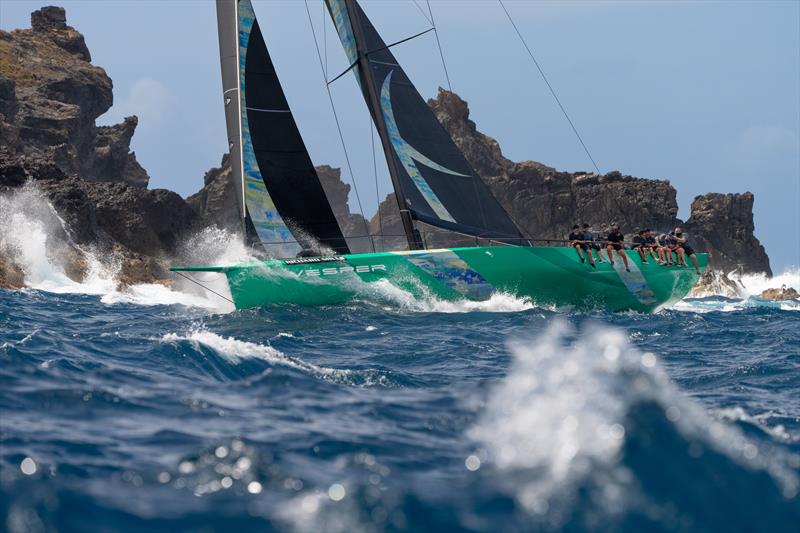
(148, 99)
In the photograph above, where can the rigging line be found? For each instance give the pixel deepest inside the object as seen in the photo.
(336, 118)
(423, 12)
(439, 44)
(348, 69)
(181, 274)
(325, 35)
(401, 41)
(552, 91)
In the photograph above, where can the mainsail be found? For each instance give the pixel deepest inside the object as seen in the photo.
(283, 204)
(433, 181)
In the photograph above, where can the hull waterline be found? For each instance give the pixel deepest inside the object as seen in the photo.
(546, 275)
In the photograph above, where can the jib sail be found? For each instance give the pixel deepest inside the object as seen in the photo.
(433, 181)
(283, 204)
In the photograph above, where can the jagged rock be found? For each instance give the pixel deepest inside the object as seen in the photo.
(111, 159)
(50, 97)
(11, 276)
(546, 203)
(784, 293)
(716, 283)
(216, 202)
(137, 269)
(53, 21)
(722, 224)
(354, 227)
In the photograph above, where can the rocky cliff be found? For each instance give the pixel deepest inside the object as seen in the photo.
(723, 223)
(50, 97)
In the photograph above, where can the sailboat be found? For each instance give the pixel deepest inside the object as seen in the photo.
(285, 211)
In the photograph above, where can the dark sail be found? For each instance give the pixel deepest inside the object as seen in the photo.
(285, 202)
(430, 174)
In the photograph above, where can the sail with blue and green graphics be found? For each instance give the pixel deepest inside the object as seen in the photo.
(432, 178)
(283, 204)
(434, 184)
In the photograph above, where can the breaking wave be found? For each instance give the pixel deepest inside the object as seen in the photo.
(236, 351)
(42, 249)
(392, 297)
(573, 423)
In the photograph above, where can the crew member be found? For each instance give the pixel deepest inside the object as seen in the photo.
(576, 240)
(616, 242)
(639, 243)
(650, 244)
(594, 240)
(685, 250)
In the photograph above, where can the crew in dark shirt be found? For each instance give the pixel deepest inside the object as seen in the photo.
(684, 250)
(672, 248)
(593, 240)
(639, 244)
(616, 241)
(576, 240)
(650, 244)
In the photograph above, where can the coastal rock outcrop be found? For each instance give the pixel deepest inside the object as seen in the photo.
(50, 97)
(723, 225)
(779, 295)
(216, 203)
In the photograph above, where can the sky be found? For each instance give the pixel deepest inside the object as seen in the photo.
(705, 94)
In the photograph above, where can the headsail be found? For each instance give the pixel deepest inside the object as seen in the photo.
(434, 182)
(282, 199)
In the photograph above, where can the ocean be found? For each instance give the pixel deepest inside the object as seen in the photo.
(157, 409)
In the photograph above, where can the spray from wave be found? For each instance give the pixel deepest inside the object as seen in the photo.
(235, 351)
(38, 242)
(393, 298)
(748, 291)
(573, 423)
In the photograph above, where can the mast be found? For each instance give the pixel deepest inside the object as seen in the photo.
(228, 33)
(433, 181)
(371, 92)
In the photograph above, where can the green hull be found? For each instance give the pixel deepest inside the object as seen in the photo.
(546, 275)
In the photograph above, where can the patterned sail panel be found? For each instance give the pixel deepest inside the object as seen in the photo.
(439, 185)
(286, 204)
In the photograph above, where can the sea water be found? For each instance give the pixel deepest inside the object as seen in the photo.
(158, 409)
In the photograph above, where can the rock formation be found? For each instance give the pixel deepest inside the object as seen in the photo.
(50, 97)
(779, 295)
(717, 283)
(216, 202)
(723, 223)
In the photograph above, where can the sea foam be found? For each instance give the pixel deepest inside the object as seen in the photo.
(559, 422)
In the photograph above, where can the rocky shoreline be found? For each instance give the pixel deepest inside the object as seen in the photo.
(51, 96)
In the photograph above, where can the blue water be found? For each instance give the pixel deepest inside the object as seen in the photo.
(378, 416)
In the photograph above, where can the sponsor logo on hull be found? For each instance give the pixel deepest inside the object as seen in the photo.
(309, 260)
(334, 271)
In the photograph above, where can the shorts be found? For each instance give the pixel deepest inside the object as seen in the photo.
(617, 246)
(688, 250)
(595, 246)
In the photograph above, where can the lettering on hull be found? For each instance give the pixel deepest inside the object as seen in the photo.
(334, 271)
